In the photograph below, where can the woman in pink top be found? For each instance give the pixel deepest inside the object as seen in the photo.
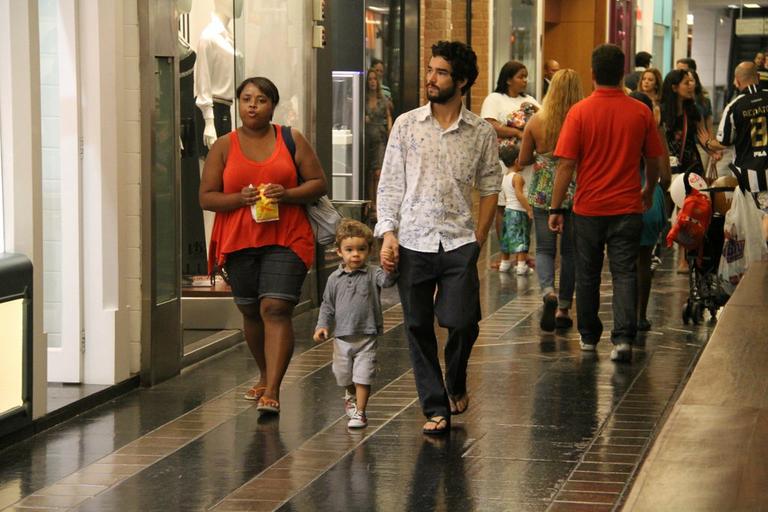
(265, 262)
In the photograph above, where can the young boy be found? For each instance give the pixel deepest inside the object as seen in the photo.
(351, 302)
(516, 232)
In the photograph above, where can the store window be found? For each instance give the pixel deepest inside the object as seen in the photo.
(272, 40)
(515, 38)
(382, 84)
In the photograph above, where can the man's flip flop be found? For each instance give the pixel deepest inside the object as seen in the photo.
(453, 399)
(437, 421)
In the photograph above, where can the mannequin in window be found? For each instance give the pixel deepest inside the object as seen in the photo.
(215, 71)
(193, 255)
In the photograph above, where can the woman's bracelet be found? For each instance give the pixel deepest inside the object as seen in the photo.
(558, 211)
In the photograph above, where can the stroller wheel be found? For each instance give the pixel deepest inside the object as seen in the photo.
(697, 314)
(686, 313)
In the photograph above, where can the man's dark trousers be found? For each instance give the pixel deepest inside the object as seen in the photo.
(621, 234)
(457, 306)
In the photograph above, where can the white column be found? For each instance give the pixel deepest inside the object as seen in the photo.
(644, 33)
(679, 30)
(101, 65)
(22, 180)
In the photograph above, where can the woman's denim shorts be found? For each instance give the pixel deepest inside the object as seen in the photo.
(272, 271)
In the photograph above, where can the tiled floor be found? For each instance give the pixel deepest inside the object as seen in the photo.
(548, 428)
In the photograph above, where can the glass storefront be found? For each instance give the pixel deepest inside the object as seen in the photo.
(383, 34)
(347, 89)
(383, 85)
(515, 37)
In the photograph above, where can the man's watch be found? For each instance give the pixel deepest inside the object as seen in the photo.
(558, 211)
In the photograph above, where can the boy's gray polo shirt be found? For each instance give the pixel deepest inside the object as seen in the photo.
(351, 301)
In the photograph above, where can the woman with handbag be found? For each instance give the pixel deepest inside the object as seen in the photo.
(654, 222)
(265, 258)
(683, 125)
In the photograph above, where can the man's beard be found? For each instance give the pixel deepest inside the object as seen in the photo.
(443, 95)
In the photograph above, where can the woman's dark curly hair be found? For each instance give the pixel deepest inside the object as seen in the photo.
(508, 70)
(462, 58)
(669, 101)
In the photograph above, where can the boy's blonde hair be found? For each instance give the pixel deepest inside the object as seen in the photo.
(349, 228)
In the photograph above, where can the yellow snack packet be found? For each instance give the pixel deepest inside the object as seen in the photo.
(265, 209)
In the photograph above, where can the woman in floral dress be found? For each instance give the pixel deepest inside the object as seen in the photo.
(540, 136)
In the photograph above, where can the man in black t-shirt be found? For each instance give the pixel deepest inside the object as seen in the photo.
(744, 125)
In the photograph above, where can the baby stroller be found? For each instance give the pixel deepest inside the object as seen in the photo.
(699, 231)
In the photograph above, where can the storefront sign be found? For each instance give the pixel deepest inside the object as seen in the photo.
(751, 27)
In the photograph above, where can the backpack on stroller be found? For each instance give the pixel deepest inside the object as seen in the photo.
(699, 231)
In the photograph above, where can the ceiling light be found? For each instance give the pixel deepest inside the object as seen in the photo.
(733, 6)
(689, 19)
(752, 6)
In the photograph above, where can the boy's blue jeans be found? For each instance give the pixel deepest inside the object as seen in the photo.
(621, 235)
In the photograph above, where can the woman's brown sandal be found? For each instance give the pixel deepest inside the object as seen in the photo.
(255, 393)
(268, 405)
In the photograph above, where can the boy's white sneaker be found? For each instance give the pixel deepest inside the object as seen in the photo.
(350, 404)
(358, 420)
(505, 265)
(523, 270)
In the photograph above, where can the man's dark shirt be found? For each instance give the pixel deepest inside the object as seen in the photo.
(631, 80)
(745, 126)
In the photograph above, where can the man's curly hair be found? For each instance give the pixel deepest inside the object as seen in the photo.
(350, 228)
(462, 58)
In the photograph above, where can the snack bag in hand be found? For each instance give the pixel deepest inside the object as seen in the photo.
(265, 209)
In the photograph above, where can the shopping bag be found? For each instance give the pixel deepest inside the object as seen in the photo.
(744, 241)
(322, 215)
(323, 218)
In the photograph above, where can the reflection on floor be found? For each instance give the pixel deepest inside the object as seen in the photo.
(63, 394)
(548, 427)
